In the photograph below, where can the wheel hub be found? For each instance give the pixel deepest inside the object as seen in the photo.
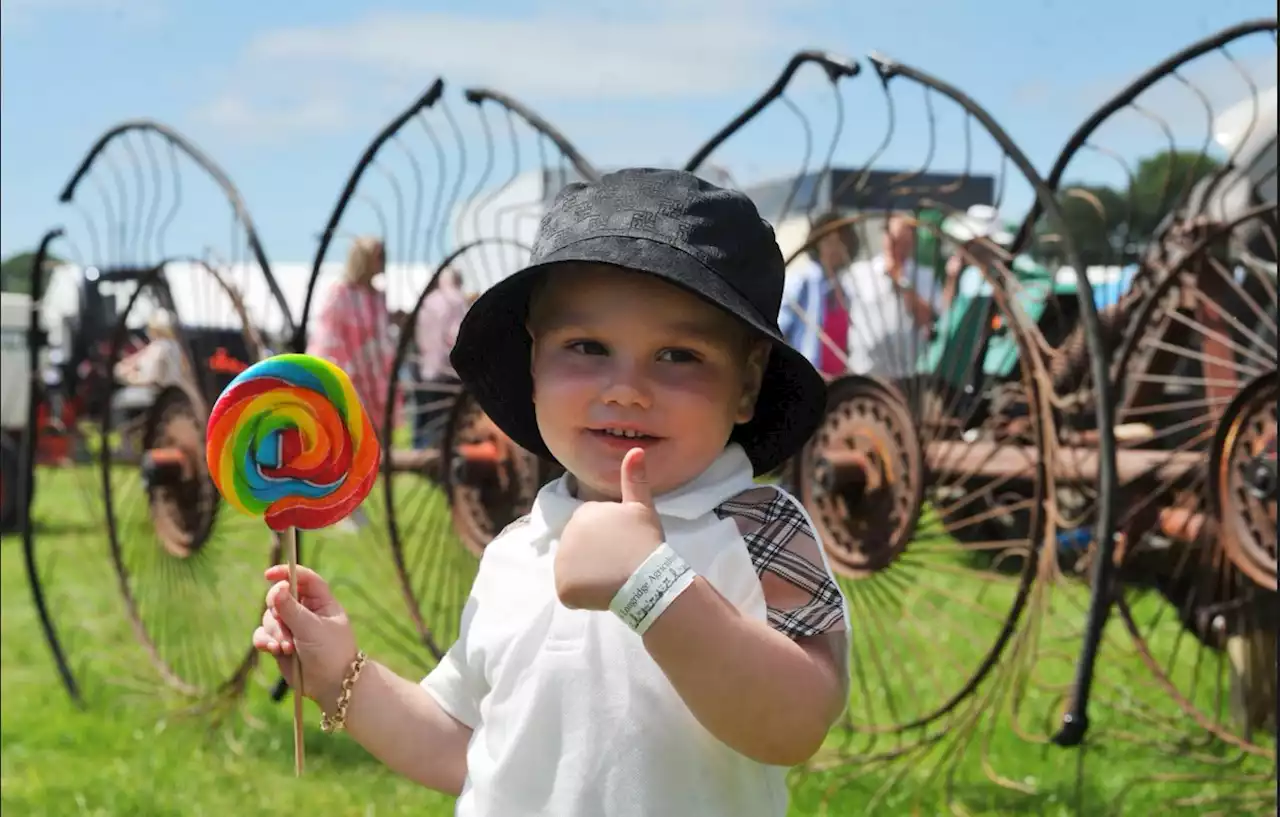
(862, 475)
(181, 496)
(1244, 479)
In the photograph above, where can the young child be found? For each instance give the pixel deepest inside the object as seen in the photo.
(660, 636)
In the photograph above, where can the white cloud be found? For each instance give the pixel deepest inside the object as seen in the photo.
(307, 111)
(312, 78)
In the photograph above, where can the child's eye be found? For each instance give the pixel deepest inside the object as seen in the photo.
(678, 356)
(586, 347)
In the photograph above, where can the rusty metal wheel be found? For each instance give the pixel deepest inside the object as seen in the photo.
(186, 563)
(183, 501)
(1198, 564)
(490, 481)
(865, 476)
(927, 483)
(1244, 480)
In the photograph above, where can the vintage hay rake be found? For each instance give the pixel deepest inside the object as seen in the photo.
(994, 481)
(184, 568)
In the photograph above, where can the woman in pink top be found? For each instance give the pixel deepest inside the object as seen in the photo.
(353, 327)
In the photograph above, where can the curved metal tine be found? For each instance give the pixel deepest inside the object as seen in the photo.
(835, 67)
(1200, 617)
(781, 199)
(542, 159)
(913, 725)
(526, 161)
(1208, 791)
(397, 194)
(151, 204)
(1183, 96)
(954, 133)
(1133, 227)
(428, 183)
(38, 579)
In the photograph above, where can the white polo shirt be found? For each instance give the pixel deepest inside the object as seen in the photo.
(571, 716)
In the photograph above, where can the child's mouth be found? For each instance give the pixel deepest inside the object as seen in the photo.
(623, 436)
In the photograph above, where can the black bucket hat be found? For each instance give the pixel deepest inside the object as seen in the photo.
(677, 227)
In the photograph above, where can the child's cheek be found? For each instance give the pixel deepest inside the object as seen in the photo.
(563, 372)
(701, 383)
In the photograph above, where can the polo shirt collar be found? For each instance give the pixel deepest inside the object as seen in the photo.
(729, 475)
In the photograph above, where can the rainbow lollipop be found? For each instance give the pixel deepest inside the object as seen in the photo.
(288, 440)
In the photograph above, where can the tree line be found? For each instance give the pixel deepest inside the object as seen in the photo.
(1112, 225)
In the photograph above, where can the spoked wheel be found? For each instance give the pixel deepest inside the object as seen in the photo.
(1243, 469)
(446, 500)
(1199, 559)
(866, 476)
(490, 481)
(188, 565)
(452, 217)
(441, 518)
(181, 499)
(928, 490)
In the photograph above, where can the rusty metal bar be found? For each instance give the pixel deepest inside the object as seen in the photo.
(414, 459)
(471, 461)
(990, 460)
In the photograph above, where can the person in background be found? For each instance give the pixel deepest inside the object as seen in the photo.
(978, 235)
(353, 330)
(885, 310)
(145, 373)
(896, 304)
(435, 333)
(353, 327)
(813, 318)
(160, 363)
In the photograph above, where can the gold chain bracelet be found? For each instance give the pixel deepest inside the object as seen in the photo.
(339, 719)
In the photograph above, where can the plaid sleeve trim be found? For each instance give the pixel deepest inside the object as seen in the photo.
(800, 593)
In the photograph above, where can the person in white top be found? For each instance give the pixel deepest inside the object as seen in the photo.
(161, 362)
(893, 305)
(660, 636)
(154, 367)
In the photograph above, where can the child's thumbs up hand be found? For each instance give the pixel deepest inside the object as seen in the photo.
(635, 481)
(604, 542)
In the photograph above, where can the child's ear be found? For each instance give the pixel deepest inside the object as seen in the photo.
(757, 361)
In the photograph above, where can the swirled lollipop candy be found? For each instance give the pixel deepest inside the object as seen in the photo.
(289, 441)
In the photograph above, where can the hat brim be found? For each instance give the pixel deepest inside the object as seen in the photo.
(963, 229)
(493, 350)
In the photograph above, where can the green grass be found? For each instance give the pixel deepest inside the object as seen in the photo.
(131, 752)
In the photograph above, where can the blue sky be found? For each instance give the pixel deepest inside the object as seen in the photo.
(285, 95)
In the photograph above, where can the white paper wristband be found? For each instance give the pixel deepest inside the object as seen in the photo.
(652, 587)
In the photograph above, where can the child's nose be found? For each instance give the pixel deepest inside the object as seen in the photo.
(627, 386)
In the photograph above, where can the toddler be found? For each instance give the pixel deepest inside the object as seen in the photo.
(660, 635)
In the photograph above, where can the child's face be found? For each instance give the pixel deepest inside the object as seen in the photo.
(620, 351)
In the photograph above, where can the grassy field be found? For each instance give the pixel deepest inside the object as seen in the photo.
(131, 751)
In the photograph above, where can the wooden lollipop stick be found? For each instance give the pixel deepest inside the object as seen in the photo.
(290, 543)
